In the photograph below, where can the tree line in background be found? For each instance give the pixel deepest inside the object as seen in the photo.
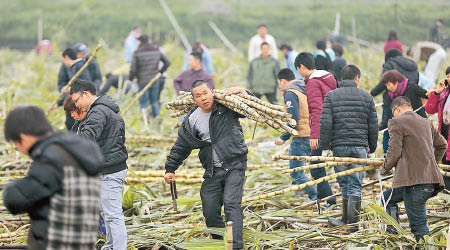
(298, 22)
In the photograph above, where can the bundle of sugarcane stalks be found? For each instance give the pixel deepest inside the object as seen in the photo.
(244, 104)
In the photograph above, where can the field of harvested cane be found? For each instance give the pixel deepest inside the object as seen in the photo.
(275, 216)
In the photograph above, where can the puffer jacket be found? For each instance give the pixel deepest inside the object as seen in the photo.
(104, 124)
(227, 139)
(33, 193)
(317, 86)
(405, 66)
(145, 62)
(348, 118)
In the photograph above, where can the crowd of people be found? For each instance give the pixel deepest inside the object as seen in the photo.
(75, 177)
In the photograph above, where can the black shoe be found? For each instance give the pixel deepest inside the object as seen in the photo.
(394, 213)
(336, 222)
(353, 209)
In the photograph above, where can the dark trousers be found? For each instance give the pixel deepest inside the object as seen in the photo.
(272, 97)
(446, 178)
(323, 188)
(415, 198)
(224, 188)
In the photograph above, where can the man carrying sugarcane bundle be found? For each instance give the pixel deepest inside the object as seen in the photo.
(318, 83)
(414, 149)
(216, 131)
(296, 104)
(348, 126)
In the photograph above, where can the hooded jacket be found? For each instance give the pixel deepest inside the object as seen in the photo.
(227, 138)
(317, 86)
(104, 124)
(405, 66)
(348, 118)
(34, 193)
(296, 104)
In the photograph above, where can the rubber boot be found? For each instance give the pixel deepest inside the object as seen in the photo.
(353, 209)
(336, 222)
(394, 213)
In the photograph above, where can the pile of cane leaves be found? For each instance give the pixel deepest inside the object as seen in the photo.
(274, 223)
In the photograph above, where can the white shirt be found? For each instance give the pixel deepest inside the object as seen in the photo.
(254, 46)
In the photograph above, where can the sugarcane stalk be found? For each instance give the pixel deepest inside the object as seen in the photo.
(52, 107)
(255, 99)
(314, 166)
(312, 203)
(159, 179)
(310, 183)
(141, 93)
(180, 113)
(229, 235)
(371, 161)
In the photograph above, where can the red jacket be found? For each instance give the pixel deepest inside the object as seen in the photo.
(317, 86)
(393, 44)
(435, 104)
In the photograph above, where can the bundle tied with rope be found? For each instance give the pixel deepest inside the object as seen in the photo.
(251, 107)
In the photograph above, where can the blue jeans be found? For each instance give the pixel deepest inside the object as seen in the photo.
(415, 198)
(323, 188)
(111, 209)
(300, 147)
(151, 94)
(351, 184)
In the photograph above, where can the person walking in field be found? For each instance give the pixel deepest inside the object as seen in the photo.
(294, 92)
(144, 67)
(104, 124)
(415, 148)
(262, 75)
(217, 132)
(318, 84)
(61, 192)
(349, 126)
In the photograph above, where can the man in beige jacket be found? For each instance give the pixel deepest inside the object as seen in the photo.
(415, 147)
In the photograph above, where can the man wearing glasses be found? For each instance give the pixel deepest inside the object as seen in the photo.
(105, 125)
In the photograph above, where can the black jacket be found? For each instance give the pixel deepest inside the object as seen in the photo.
(406, 66)
(415, 94)
(348, 118)
(227, 138)
(105, 125)
(32, 194)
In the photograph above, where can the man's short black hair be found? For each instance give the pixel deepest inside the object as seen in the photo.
(264, 43)
(285, 46)
(81, 85)
(400, 101)
(262, 25)
(306, 59)
(70, 53)
(440, 20)
(350, 71)
(286, 74)
(197, 55)
(447, 71)
(29, 120)
(197, 84)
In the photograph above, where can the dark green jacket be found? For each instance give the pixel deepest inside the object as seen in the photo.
(262, 75)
